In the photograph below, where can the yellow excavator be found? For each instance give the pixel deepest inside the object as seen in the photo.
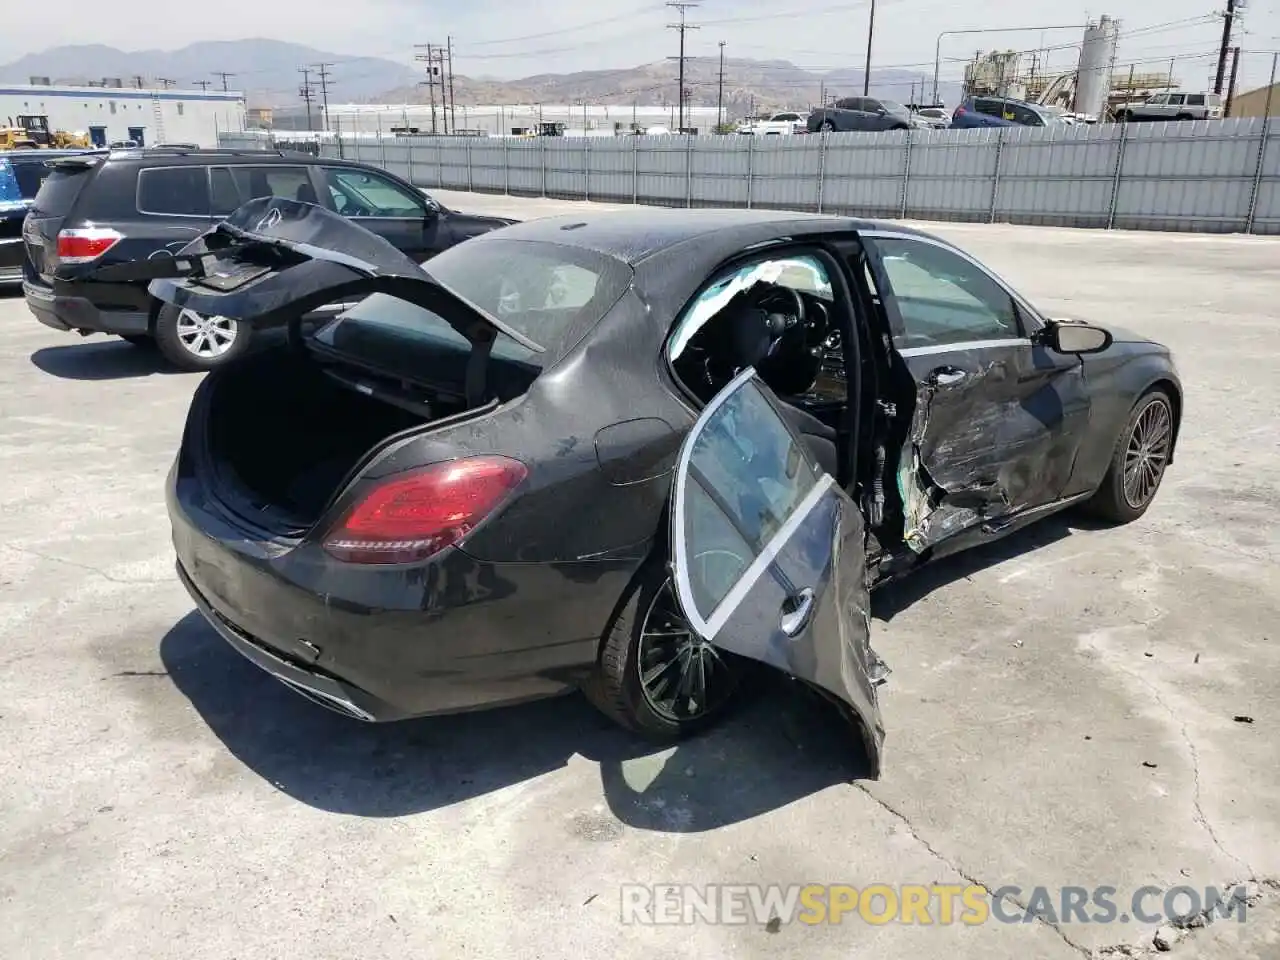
(32, 132)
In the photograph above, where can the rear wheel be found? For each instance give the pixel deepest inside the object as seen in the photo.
(1139, 461)
(828, 126)
(655, 676)
(193, 341)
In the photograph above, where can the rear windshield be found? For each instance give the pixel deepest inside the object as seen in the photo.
(547, 292)
(58, 193)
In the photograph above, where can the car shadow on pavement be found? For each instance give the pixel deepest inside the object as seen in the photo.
(895, 597)
(101, 360)
(778, 747)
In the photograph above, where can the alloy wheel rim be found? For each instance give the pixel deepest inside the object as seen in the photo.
(204, 336)
(1147, 453)
(682, 677)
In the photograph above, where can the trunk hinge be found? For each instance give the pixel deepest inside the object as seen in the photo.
(482, 337)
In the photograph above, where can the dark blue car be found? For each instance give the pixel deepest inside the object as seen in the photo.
(21, 173)
(1001, 112)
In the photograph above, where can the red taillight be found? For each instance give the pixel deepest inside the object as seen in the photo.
(83, 246)
(411, 516)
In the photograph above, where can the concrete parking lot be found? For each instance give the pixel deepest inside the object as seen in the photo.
(1062, 709)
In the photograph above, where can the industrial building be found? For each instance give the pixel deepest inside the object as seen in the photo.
(1257, 103)
(114, 112)
(492, 120)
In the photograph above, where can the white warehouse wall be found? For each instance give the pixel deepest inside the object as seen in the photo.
(184, 116)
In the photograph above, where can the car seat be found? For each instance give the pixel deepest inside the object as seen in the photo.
(306, 193)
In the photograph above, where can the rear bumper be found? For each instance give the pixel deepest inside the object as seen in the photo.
(383, 644)
(78, 313)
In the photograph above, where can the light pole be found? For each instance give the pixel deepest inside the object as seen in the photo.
(937, 50)
(866, 71)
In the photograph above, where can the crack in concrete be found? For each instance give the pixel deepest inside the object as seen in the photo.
(1187, 926)
(89, 568)
(1198, 815)
(969, 878)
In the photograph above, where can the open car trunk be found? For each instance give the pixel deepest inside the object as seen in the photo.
(279, 464)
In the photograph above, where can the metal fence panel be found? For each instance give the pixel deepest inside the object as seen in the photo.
(1190, 176)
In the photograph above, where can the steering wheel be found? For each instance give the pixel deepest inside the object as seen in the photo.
(784, 310)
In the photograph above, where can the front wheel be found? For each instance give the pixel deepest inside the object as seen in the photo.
(655, 677)
(1138, 463)
(827, 126)
(193, 341)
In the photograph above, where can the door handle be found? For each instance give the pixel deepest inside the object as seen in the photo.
(947, 376)
(796, 612)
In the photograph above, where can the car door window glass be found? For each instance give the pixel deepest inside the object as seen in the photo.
(1196, 100)
(1026, 116)
(943, 297)
(747, 476)
(174, 191)
(224, 195)
(1176, 99)
(989, 107)
(291, 183)
(360, 193)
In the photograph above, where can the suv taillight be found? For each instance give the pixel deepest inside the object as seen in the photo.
(86, 245)
(959, 110)
(413, 515)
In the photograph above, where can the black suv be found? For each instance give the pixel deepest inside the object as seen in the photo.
(107, 207)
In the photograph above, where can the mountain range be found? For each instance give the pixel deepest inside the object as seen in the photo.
(268, 71)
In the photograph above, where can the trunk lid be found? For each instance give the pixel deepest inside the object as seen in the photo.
(273, 261)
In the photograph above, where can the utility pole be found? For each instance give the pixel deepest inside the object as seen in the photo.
(138, 81)
(202, 84)
(432, 58)
(683, 6)
(306, 93)
(166, 83)
(866, 71)
(720, 94)
(323, 70)
(1228, 20)
(225, 77)
(1231, 85)
(453, 107)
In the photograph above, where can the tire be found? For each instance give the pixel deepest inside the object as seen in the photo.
(1116, 502)
(616, 689)
(138, 339)
(192, 342)
(1124, 117)
(1184, 116)
(827, 126)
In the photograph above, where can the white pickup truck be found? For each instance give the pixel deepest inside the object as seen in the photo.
(780, 124)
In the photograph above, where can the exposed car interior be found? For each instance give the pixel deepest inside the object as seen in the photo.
(781, 317)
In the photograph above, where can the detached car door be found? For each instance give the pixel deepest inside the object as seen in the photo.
(768, 554)
(998, 416)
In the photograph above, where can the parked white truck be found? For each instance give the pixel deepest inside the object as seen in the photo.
(780, 124)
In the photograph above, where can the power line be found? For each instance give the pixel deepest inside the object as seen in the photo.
(683, 6)
(225, 77)
(591, 24)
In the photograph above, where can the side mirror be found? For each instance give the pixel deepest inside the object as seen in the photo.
(1073, 337)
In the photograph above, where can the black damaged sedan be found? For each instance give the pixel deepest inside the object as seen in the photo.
(630, 452)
